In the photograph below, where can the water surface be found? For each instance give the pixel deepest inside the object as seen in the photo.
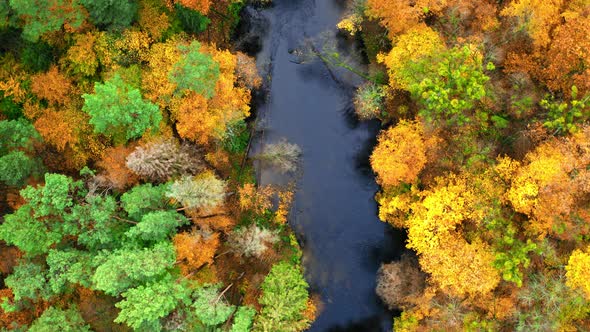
(334, 212)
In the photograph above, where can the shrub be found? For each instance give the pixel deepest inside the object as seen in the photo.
(368, 101)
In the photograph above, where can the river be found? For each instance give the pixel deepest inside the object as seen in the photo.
(334, 213)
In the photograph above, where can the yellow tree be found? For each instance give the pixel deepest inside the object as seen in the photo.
(400, 154)
(417, 42)
(399, 16)
(52, 86)
(537, 17)
(578, 270)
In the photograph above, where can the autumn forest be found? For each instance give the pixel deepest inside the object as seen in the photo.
(130, 190)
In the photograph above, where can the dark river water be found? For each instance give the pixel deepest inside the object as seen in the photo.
(334, 213)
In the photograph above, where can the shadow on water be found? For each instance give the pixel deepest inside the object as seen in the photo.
(334, 212)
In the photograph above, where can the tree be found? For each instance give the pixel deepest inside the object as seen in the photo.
(243, 319)
(209, 307)
(42, 16)
(67, 269)
(112, 14)
(28, 284)
(400, 154)
(252, 241)
(568, 57)
(125, 268)
(118, 111)
(283, 300)
(398, 281)
(58, 128)
(81, 58)
(99, 228)
(577, 269)
(52, 86)
(54, 319)
(143, 306)
(195, 249)
(157, 226)
(201, 6)
(160, 160)
(204, 191)
(536, 16)
(195, 71)
(419, 42)
(28, 234)
(16, 167)
(449, 84)
(369, 101)
(143, 199)
(400, 16)
(17, 134)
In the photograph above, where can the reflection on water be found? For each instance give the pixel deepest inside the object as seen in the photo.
(334, 213)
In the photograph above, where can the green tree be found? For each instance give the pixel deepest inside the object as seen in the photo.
(54, 319)
(283, 300)
(112, 14)
(28, 283)
(29, 235)
(16, 167)
(118, 111)
(126, 268)
(17, 134)
(99, 226)
(195, 71)
(243, 319)
(157, 226)
(43, 16)
(144, 198)
(67, 268)
(55, 197)
(191, 20)
(209, 308)
(143, 306)
(448, 84)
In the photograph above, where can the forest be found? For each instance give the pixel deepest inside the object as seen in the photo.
(127, 199)
(130, 201)
(483, 159)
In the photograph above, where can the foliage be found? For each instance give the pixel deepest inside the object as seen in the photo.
(204, 191)
(397, 281)
(41, 17)
(577, 271)
(157, 226)
(193, 250)
(28, 234)
(52, 86)
(369, 101)
(143, 306)
(252, 241)
(68, 268)
(448, 84)
(161, 160)
(118, 111)
(195, 71)
(243, 319)
(209, 307)
(55, 319)
(144, 198)
(192, 20)
(15, 168)
(125, 268)
(236, 137)
(283, 300)
(111, 14)
(400, 154)
(418, 43)
(564, 117)
(28, 282)
(201, 6)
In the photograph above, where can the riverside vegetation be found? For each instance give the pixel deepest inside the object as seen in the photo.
(484, 159)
